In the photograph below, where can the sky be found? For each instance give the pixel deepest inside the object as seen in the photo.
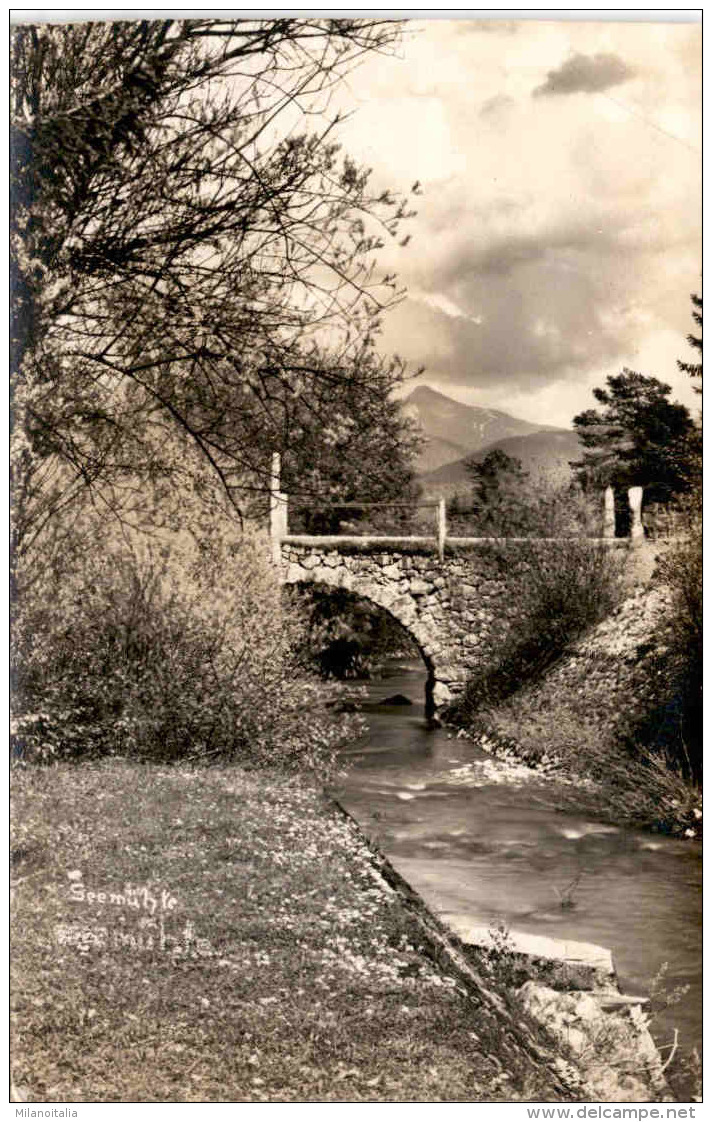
(558, 234)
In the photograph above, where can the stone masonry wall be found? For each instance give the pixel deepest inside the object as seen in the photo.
(457, 609)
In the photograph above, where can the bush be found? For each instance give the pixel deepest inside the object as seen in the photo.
(561, 593)
(631, 782)
(522, 507)
(165, 650)
(680, 569)
(626, 717)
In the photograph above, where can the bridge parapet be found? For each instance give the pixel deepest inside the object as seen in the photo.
(440, 541)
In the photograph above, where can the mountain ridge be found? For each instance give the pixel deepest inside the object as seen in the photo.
(543, 453)
(455, 431)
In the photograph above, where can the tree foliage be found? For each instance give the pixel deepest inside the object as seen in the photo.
(496, 480)
(639, 438)
(192, 255)
(694, 369)
(346, 441)
(507, 502)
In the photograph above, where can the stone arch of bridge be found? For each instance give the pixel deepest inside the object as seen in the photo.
(413, 628)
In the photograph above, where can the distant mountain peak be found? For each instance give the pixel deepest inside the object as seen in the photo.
(455, 430)
(425, 391)
(425, 394)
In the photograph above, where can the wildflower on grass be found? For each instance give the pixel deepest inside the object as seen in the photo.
(313, 948)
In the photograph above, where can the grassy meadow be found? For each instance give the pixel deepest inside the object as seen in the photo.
(211, 934)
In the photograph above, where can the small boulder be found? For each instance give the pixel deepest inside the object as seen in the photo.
(397, 699)
(345, 705)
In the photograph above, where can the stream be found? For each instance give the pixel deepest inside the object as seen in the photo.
(487, 839)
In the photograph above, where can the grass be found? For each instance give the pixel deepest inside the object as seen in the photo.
(263, 957)
(622, 782)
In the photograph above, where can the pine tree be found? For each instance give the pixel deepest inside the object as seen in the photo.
(694, 369)
(640, 438)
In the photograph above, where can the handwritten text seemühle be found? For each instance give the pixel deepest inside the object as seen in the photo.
(138, 921)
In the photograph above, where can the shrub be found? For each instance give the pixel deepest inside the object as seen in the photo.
(561, 592)
(630, 782)
(680, 569)
(178, 648)
(623, 714)
(519, 506)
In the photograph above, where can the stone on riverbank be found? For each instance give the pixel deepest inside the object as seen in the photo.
(614, 1050)
(562, 964)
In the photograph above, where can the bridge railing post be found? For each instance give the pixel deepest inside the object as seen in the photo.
(441, 528)
(278, 511)
(635, 502)
(609, 513)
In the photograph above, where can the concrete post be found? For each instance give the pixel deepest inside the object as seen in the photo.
(609, 513)
(278, 511)
(442, 528)
(635, 501)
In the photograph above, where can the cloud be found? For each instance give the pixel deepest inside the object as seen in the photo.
(585, 74)
(524, 329)
(550, 249)
(443, 304)
(496, 106)
(525, 310)
(492, 26)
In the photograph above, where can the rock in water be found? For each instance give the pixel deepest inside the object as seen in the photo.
(397, 699)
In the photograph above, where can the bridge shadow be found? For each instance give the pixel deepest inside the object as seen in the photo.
(349, 635)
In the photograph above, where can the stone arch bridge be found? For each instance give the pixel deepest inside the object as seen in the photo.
(457, 608)
(456, 597)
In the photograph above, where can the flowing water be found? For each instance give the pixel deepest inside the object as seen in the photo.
(487, 840)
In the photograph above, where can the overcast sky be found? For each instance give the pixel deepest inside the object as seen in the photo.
(558, 234)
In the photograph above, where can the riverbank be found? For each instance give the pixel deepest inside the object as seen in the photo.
(212, 935)
(593, 719)
(498, 844)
